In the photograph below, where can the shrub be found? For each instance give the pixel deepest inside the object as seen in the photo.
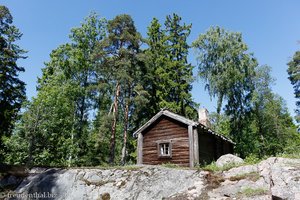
(252, 159)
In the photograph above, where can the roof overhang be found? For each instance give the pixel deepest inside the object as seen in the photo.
(216, 134)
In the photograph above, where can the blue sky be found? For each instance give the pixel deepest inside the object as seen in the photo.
(271, 28)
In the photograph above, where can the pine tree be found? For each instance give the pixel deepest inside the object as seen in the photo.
(170, 82)
(157, 61)
(12, 89)
(181, 72)
(294, 76)
(122, 48)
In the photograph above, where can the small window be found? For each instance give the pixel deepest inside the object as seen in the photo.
(164, 149)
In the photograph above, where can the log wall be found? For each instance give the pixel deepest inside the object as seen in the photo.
(166, 129)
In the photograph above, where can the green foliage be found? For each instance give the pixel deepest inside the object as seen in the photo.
(220, 123)
(214, 168)
(271, 125)
(55, 124)
(170, 74)
(255, 117)
(295, 155)
(97, 89)
(228, 70)
(16, 149)
(48, 125)
(292, 149)
(294, 76)
(226, 67)
(252, 159)
(12, 89)
(170, 165)
(124, 62)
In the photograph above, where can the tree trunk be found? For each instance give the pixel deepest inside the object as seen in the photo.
(29, 162)
(260, 129)
(82, 106)
(70, 162)
(114, 124)
(219, 103)
(219, 106)
(123, 159)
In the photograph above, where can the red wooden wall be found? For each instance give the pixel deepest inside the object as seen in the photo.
(166, 129)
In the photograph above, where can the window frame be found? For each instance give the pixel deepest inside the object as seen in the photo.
(159, 145)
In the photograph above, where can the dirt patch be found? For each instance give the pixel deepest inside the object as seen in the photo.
(214, 180)
(252, 176)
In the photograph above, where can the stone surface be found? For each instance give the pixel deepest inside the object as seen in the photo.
(274, 178)
(279, 178)
(228, 159)
(10, 181)
(147, 182)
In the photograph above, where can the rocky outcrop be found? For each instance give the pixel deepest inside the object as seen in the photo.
(274, 178)
(229, 159)
(148, 182)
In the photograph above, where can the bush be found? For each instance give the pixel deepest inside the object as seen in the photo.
(252, 159)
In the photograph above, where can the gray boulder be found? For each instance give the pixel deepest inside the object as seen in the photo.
(228, 159)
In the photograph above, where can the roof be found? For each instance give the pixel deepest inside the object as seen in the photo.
(179, 118)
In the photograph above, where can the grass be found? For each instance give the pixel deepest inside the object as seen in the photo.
(253, 176)
(249, 160)
(289, 155)
(253, 159)
(212, 167)
(108, 167)
(250, 192)
(170, 165)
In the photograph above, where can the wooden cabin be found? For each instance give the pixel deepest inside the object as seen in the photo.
(171, 138)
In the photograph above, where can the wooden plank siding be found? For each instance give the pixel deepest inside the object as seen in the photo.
(166, 129)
